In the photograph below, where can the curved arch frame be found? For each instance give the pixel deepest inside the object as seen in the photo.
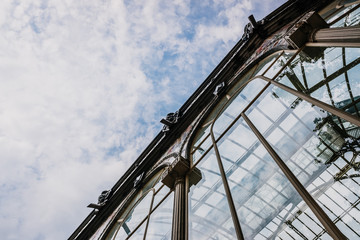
(127, 202)
(327, 223)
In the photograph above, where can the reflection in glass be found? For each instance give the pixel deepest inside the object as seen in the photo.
(331, 75)
(318, 151)
(265, 200)
(135, 217)
(351, 19)
(161, 220)
(209, 213)
(202, 140)
(280, 62)
(133, 220)
(337, 9)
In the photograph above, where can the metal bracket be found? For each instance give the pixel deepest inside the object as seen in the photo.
(304, 29)
(179, 168)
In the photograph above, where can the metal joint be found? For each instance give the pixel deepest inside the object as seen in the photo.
(305, 29)
(138, 180)
(219, 89)
(177, 169)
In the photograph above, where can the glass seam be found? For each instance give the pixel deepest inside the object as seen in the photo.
(322, 216)
(343, 15)
(337, 112)
(230, 200)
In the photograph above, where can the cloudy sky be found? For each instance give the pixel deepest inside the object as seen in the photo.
(83, 85)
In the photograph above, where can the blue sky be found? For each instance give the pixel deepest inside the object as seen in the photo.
(83, 85)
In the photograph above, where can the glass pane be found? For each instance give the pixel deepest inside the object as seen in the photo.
(138, 234)
(161, 220)
(135, 217)
(265, 64)
(236, 105)
(204, 143)
(280, 62)
(137, 209)
(200, 144)
(202, 140)
(302, 73)
(266, 202)
(317, 148)
(209, 213)
(350, 19)
(331, 76)
(160, 193)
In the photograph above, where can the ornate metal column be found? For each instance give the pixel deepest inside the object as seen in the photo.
(174, 177)
(178, 227)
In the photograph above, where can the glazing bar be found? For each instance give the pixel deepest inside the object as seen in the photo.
(234, 216)
(337, 112)
(330, 227)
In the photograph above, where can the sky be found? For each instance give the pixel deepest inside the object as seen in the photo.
(83, 86)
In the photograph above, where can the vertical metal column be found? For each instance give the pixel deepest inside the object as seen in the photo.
(175, 178)
(178, 225)
(330, 227)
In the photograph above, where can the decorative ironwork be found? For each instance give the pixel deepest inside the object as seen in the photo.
(104, 196)
(304, 29)
(170, 120)
(102, 199)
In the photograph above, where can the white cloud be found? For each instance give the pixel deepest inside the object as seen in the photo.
(83, 86)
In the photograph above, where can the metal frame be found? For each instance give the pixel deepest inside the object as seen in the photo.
(317, 210)
(126, 203)
(337, 112)
(226, 71)
(322, 216)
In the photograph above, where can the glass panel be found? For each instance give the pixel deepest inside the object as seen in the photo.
(204, 143)
(159, 223)
(138, 234)
(135, 217)
(318, 149)
(160, 193)
(161, 220)
(266, 202)
(280, 62)
(302, 73)
(337, 9)
(236, 105)
(209, 213)
(331, 76)
(138, 209)
(202, 140)
(350, 19)
(265, 64)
